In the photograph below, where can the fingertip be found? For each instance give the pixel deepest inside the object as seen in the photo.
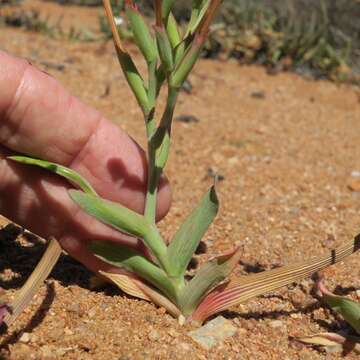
(164, 198)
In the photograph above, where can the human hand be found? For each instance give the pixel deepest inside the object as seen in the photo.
(39, 118)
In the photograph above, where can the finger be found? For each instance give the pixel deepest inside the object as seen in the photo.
(40, 202)
(38, 117)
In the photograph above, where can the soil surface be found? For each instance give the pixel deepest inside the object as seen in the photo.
(288, 151)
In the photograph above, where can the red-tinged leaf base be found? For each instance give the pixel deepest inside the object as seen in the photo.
(243, 288)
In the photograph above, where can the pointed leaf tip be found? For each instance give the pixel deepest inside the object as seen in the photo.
(347, 308)
(190, 233)
(72, 176)
(111, 213)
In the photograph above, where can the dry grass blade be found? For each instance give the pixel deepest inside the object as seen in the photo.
(126, 284)
(37, 277)
(110, 17)
(133, 286)
(243, 288)
(332, 340)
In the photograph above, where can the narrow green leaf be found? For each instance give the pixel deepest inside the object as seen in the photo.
(65, 172)
(111, 213)
(347, 308)
(161, 142)
(187, 62)
(134, 80)
(130, 260)
(166, 8)
(172, 31)
(209, 275)
(179, 52)
(123, 219)
(164, 49)
(187, 238)
(141, 32)
(198, 11)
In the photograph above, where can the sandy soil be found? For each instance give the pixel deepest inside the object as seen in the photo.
(286, 147)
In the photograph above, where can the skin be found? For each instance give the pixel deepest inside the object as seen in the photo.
(39, 118)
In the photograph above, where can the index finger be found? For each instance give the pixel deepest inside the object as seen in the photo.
(40, 118)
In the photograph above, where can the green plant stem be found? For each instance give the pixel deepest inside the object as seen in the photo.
(150, 204)
(166, 119)
(158, 151)
(152, 83)
(158, 247)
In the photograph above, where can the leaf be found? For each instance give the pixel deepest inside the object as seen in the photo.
(186, 63)
(69, 174)
(172, 30)
(347, 308)
(332, 340)
(134, 262)
(111, 213)
(208, 276)
(187, 238)
(243, 288)
(123, 219)
(198, 11)
(33, 283)
(142, 35)
(136, 287)
(166, 7)
(127, 284)
(164, 49)
(128, 66)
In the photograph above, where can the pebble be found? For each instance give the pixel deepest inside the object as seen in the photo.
(354, 184)
(276, 324)
(185, 346)
(355, 174)
(213, 333)
(25, 337)
(153, 335)
(67, 331)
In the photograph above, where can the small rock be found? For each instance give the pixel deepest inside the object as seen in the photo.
(258, 95)
(276, 324)
(62, 351)
(355, 174)
(357, 292)
(25, 337)
(213, 333)
(172, 333)
(187, 118)
(92, 312)
(154, 335)
(354, 184)
(74, 308)
(187, 87)
(53, 66)
(67, 331)
(185, 346)
(47, 352)
(213, 174)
